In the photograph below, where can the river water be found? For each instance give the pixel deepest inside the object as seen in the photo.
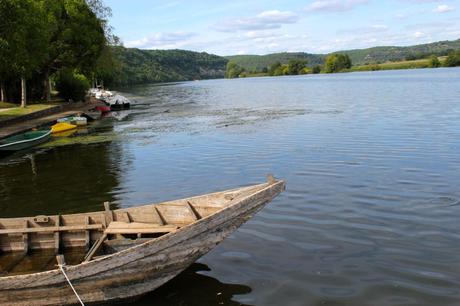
(372, 162)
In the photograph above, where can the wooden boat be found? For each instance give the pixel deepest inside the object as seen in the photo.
(24, 140)
(62, 127)
(120, 106)
(143, 247)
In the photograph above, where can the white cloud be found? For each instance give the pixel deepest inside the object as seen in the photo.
(163, 40)
(419, 34)
(266, 20)
(329, 6)
(444, 8)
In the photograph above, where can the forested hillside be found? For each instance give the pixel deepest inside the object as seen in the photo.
(358, 57)
(259, 62)
(135, 66)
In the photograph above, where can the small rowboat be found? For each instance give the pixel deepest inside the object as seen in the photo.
(62, 127)
(131, 251)
(24, 140)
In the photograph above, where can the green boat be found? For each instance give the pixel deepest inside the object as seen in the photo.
(24, 140)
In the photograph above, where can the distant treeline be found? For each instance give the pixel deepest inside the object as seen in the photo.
(340, 63)
(256, 64)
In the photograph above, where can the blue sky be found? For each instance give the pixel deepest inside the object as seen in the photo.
(261, 27)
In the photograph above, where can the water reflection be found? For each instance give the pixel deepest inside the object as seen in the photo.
(192, 288)
(65, 180)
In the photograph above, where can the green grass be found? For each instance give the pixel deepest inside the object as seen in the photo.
(415, 64)
(12, 110)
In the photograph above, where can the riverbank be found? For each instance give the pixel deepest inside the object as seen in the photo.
(401, 65)
(28, 121)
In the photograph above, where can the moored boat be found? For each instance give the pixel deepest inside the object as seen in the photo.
(24, 140)
(131, 251)
(62, 127)
(103, 108)
(92, 115)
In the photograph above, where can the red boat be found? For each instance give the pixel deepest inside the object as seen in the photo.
(103, 108)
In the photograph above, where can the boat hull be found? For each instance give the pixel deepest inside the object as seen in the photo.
(25, 144)
(138, 270)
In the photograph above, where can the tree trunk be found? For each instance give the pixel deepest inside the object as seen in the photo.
(23, 92)
(47, 86)
(2, 92)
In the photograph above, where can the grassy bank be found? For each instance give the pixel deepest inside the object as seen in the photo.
(415, 64)
(9, 110)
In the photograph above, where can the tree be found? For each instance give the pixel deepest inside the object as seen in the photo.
(337, 63)
(233, 70)
(433, 62)
(77, 36)
(274, 68)
(22, 40)
(316, 69)
(296, 66)
(453, 59)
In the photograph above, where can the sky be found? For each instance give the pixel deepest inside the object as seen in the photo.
(269, 26)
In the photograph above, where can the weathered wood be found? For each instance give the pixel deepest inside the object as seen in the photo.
(108, 213)
(50, 229)
(57, 237)
(148, 263)
(95, 248)
(158, 216)
(60, 260)
(192, 210)
(25, 238)
(137, 228)
(87, 235)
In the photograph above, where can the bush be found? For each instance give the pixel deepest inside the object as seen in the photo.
(72, 85)
(433, 62)
(453, 59)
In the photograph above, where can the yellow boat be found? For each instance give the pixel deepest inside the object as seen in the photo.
(62, 127)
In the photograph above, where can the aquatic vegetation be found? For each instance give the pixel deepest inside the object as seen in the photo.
(79, 140)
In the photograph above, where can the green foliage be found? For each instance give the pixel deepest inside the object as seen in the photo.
(433, 62)
(259, 62)
(453, 59)
(296, 66)
(337, 63)
(72, 85)
(316, 69)
(233, 70)
(42, 37)
(136, 66)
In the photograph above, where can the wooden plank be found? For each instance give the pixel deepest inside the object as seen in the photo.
(87, 234)
(159, 217)
(95, 248)
(108, 213)
(193, 211)
(25, 238)
(57, 238)
(50, 229)
(128, 231)
(137, 228)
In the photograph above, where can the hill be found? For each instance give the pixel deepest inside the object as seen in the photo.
(358, 56)
(135, 66)
(259, 62)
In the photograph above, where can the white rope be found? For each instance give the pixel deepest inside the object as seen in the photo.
(71, 286)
